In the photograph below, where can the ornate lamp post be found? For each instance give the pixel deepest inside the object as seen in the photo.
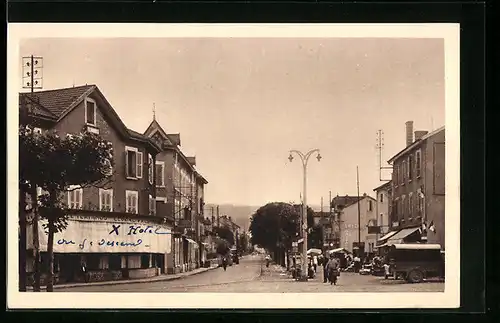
(304, 158)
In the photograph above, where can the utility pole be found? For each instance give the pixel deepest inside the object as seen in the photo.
(32, 79)
(380, 146)
(218, 217)
(359, 214)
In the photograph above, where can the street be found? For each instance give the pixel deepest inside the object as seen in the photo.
(251, 276)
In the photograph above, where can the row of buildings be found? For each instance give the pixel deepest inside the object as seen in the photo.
(149, 220)
(410, 208)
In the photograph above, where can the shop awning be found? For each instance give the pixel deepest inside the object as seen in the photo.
(401, 235)
(190, 240)
(388, 235)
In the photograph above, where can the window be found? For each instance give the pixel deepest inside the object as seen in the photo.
(150, 169)
(133, 163)
(75, 197)
(410, 205)
(160, 174)
(132, 201)
(152, 205)
(410, 167)
(382, 197)
(403, 175)
(370, 206)
(418, 163)
(90, 112)
(106, 200)
(396, 175)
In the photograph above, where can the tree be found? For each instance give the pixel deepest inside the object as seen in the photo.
(226, 234)
(243, 243)
(53, 163)
(274, 227)
(222, 246)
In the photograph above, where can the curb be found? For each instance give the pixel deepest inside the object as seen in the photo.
(131, 281)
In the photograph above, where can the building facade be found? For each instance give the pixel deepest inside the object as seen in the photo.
(418, 188)
(346, 229)
(114, 230)
(182, 191)
(381, 223)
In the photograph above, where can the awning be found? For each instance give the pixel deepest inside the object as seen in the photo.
(338, 250)
(190, 240)
(402, 234)
(388, 235)
(417, 246)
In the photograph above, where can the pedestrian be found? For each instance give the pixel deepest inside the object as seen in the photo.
(315, 263)
(357, 264)
(325, 271)
(333, 270)
(83, 269)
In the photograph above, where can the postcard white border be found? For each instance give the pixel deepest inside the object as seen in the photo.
(450, 298)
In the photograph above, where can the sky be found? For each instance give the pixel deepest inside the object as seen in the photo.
(241, 104)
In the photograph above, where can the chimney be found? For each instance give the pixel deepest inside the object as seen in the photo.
(420, 134)
(409, 133)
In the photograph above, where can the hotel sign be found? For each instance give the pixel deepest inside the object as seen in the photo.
(110, 236)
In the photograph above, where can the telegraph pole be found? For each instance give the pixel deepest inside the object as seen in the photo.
(32, 79)
(218, 217)
(380, 146)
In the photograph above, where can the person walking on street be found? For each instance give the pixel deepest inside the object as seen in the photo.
(315, 264)
(325, 271)
(333, 270)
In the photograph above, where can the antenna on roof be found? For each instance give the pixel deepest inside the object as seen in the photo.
(154, 111)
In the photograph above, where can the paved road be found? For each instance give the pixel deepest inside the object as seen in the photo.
(251, 276)
(246, 272)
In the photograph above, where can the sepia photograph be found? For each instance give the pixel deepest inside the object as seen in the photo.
(267, 161)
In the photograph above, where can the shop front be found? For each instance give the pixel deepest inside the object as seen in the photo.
(94, 248)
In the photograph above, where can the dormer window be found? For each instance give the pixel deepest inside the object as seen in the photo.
(90, 112)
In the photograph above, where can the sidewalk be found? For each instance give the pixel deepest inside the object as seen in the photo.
(132, 281)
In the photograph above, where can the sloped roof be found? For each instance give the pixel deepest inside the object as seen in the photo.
(346, 201)
(386, 184)
(58, 101)
(35, 107)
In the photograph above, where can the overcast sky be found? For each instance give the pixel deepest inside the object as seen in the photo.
(241, 104)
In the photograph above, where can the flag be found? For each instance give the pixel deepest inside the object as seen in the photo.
(424, 227)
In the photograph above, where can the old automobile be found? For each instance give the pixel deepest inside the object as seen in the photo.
(415, 262)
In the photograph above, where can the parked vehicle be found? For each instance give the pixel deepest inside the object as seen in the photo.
(234, 256)
(415, 262)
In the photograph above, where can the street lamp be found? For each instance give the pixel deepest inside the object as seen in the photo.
(304, 158)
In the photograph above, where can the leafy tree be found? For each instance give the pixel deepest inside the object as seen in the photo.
(226, 234)
(53, 163)
(243, 242)
(222, 246)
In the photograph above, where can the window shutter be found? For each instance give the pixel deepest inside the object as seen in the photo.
(140, 163)
(126, 164)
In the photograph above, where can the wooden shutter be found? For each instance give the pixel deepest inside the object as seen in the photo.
(140, 163)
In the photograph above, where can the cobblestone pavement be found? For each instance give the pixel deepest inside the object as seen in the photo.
(251, 276)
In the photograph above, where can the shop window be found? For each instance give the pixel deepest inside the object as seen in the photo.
(134, 261)
(104, 262)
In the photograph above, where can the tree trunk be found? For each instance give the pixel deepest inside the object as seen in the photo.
(22, 239)
(36, 240)
(50, 252)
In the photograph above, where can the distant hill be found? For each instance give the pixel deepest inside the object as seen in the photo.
(241, 214)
